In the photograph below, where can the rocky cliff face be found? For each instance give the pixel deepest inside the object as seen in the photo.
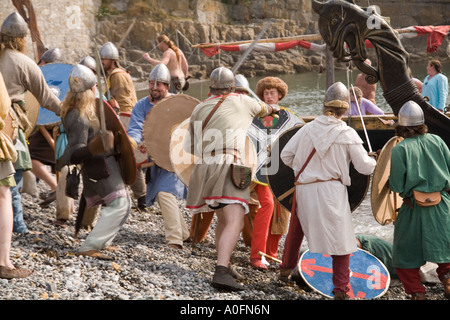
(71, 24)
(192, 22)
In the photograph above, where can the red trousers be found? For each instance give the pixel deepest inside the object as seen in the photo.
(262, 239)
(412, 281)
(292, 244)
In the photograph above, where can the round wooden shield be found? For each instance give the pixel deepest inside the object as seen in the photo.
(124, 149)
(264, 132)
(183, 162)
(369, 277)
(57, 77)
(161, 121)
(282, 181)
(384, 201)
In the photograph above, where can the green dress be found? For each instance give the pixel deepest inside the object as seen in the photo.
(421, 234)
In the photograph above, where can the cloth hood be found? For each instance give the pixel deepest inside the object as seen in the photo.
(327, 130)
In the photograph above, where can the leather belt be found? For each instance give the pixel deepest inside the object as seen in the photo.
(302, 183)
(233, 152)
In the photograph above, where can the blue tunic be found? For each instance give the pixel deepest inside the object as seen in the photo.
(436, 89)
(160, 179)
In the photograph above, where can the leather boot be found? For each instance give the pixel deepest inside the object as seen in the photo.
(418, 296)
(142, 204)
(446, 283)
(222, 279)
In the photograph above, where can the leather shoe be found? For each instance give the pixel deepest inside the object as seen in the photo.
(339, 295)
(258, 264)
(418, 296)
(284, 275)
(50, 198)
(95, 254)
(175, 246)
(10, 273)
(223, 280)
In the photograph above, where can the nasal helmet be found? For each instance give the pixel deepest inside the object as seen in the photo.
(222, 78)
(81, 78)
(410, 114)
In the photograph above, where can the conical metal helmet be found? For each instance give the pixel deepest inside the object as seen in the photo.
(222, 78)
(109, 51)
(241, 83)
(51, 56)
(89, 62)
(81, 78)
(410, 114)
(337, 95)
(14, 26)
(160, 73)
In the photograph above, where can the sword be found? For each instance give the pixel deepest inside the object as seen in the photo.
(250, 48)
(362, 120)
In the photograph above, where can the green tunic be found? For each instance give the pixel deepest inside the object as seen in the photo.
(421, 234)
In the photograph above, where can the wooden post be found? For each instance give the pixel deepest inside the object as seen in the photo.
(329, 67)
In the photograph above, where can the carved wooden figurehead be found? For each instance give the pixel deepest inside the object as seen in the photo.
(345, 28)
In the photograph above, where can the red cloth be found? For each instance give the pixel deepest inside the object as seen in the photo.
(436, 35)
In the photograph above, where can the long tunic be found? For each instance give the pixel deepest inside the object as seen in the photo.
(323, 207)
(210, 182)
(160, 179)
(422, 234)
(436, 89)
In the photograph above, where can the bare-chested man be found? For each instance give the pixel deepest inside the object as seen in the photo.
(175, 61)
(367, 89)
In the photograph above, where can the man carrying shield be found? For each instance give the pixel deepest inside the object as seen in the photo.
(323, 149)
(220, 182)
(162, 185)
(420, 164)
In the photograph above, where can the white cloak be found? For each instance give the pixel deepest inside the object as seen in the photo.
(323, 207)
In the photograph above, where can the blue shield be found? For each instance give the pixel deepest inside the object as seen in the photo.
(57, 77)
(369, 277)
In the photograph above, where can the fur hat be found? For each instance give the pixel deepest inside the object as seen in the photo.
(269, 83)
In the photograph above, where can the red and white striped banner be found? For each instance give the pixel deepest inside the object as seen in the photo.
(265, 47)
(436, 35)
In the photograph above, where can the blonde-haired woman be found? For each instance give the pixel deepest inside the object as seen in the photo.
(93, 150)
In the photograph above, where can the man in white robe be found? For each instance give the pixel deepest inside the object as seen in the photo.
(321, 189)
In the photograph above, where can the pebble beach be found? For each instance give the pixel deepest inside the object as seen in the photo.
(144, 267)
